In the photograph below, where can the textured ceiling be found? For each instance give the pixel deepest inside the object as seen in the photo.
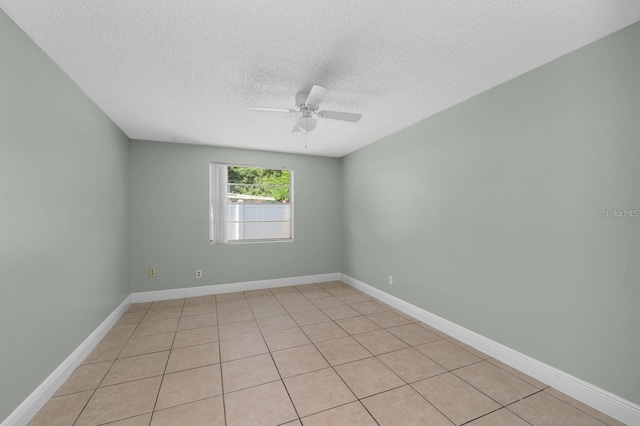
(185, 71)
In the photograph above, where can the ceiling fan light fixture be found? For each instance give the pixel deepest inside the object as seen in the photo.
(306, 123)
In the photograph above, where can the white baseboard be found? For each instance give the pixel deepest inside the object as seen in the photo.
(178, 293)
(34, 402)
(610, 404)
(600, 399)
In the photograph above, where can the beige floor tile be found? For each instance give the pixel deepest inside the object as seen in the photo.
(139, 307)
(284, 339)
(501, 386)
(242, 347)
(119, 332)
(434, 330)
(353, 298)
(207, 412)
(162, 313)
(297, 307)
(121, 401)
(237, 315)
(189, 386)
(264, 405)
(304, 288)
(299, 360)
(193, 357)
(85, 377)
(456, 399)
(340, 291)
(447, 354)
(61, 410)
(130, 318)
(517, 373)
(265, 302)
(468, 348)
(502, 417)
(316, 294)
(196, 336)
(280, 322)
(148, 344)
(166, 304)
(204, 308)
(292, 298)
(156, 327)
(357, 325)
(410, 365)
(323, 331)
(352, 414)
(413, 334)
(197, 321)
(268, 311)
(126, 362)
(543, 409)
(368, 377)
(405, 316)
(238, 329)
(317, 391)
(583, 407)
(327, 302)
(330, 284)
(403, 406)
(248, 372)
(313, 316)
(368, 308)
(226, 297)
(252, 294)
(136, 367)
(343, 350)
(105, 351)
(388, 319)
(199, 300)
(340, 312)
(232, 305)
(380, 342)
(283, 290)
(142, 420)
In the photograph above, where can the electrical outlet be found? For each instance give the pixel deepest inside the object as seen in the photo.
(198, 273)
(366, 271)
(152, 272)
(390, 279)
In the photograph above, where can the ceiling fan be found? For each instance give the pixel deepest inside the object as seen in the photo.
(307, 103)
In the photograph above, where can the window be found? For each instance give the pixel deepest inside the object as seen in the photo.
(250, 204)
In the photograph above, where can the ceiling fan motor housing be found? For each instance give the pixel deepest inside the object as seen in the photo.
(301, 99)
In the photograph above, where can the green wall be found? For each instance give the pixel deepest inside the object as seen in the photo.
(489, 214)
(64, 216)
(170, 219)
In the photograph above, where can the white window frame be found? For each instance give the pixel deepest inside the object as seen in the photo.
(219, 204)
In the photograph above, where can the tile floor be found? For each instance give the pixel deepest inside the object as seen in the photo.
(318, 354)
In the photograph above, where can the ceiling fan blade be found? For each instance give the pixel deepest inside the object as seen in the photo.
(270, 109)
(344, 116)
(316, 95)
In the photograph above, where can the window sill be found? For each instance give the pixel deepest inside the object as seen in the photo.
(283, 240)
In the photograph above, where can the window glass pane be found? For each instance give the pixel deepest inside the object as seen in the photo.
(258, 204)
(259, 230)
(259, 212)
(257, 184)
